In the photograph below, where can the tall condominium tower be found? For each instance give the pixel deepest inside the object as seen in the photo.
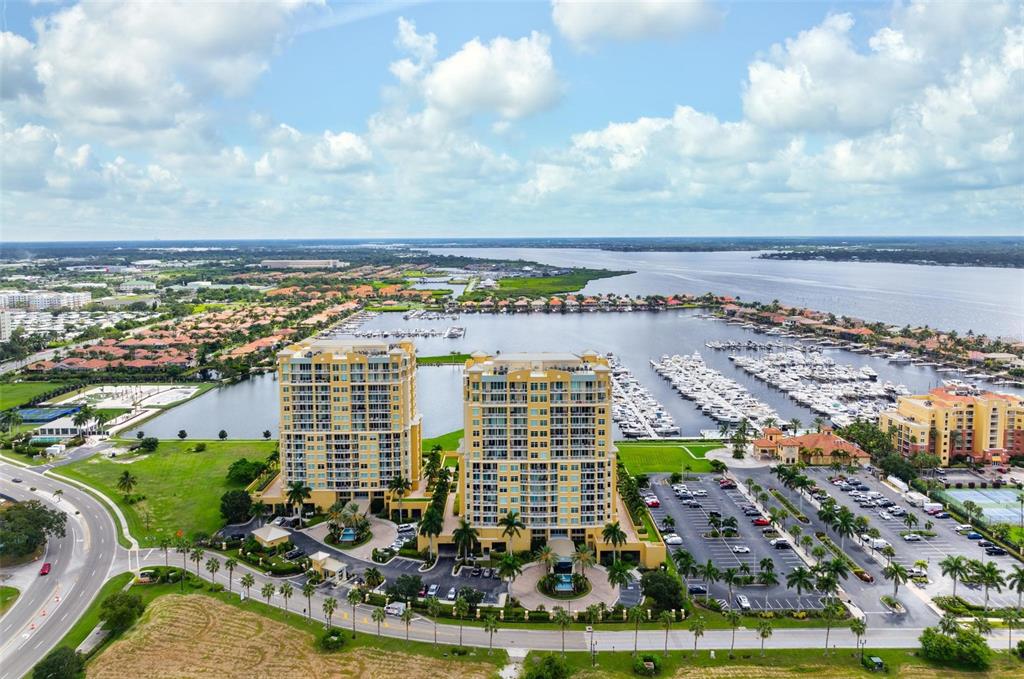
(349, 422)
(538, 441)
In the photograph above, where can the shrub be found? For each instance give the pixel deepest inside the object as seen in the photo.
(235, 506)
(332, 640)
(646, 665)
(664, 589)
(120, 610)
(966, 648)
(549, 666)
(200, 447)
(60, 663)
(1020, 649)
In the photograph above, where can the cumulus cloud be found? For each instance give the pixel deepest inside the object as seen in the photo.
(17, 68)
(586, 21)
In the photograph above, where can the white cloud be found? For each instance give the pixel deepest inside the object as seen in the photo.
(17, 67)
(341, 151)
(585, 21)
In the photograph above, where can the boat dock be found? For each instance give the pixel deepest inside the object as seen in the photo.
(634, 410)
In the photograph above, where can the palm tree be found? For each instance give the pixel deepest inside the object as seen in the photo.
(509, 567)
(561, 617)
(247, 581)
(126, 482)
(697, 627)
(399, 486)
(910, 520)
(1013, 618)
(267, 591)
(373, 577)
(710, 574)
(668, 523)
(165, 545)
(982, 626)
(298, 493)
(948, 624)
(801, 580)
(354, 598)
(859, 626)
(898, 574)
(547, 556)
(286, 590)
(465, 539)
(490, 627)
(1015, 581)
(686, 566)
(461, 610)
(768, 578)
(830, 613)
(991, 577)
(308, 590)
(434, 610)
(618, 574)
(844, 526)
(10, 419)
(955, 567)
(329, 606)
(229, 566)
(407, 618)
(613, 535)
(764, 632)
(431, 525)
(196, 556)
(734, 618)
(511, 524)
(731, 578)
(378, 617)
(584, 558)
(213, 565)
(636, 615)
(666, 619)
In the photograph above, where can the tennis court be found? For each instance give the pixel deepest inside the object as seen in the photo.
(999, 505)
(44, 414)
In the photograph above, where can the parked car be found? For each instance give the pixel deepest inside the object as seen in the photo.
(973, 535)
(652, 502)
(700, 492)
(45, 570)
(477, 571)
(780, 543)
(865, 576)
(395, 608)
(741, 549)
(984, 543)
(294, 554)
(693, 504)
(715, 512)
(912, 537)
(452, 593)
(743, 601)
(995, 551)
(942, 515)
(961, 527)
(697, 589)
(885, 516)
(673, 539)
(432, 590)
(761, 521)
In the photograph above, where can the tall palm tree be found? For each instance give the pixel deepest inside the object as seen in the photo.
(286, 590)
(697, 627)
(465, 539)
(910, 520)
(618, 574)
(126, 482)
(399, 486)
(511, 524)
(431, 525)
(667, 618)
(561, 617)
(991, 577)
(636, 615)
(354, 598)
(734, 618)
(731, 578)
(434, 611)
(461, 610)
(378, 616)
(764, 632)
(859, 626)
(247, 581)
(1013, 619)
(297, 494)
(613, 535)
(547, 556)
(165, 546)
(801, 580)
(213, 565)
(955, 567)
(710, 574)
(329, 606)
(1015, 581)
(584, 558)
(308, 590)
(768, 579)
(197, 556)
(844, 526)
(490, 627)
(267, 591)
(898, 574)
(831, 612)
(509, 567)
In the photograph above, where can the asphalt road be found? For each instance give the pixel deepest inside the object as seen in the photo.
(82, 560)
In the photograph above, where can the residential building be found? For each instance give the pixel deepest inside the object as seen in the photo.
(41, 300)
(816, 448)
(137, 285)
(5, 326)
(958, 421)
(349, 421)
(538, 441)
(302, 264)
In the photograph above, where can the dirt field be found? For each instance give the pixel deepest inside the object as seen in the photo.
(196, 636)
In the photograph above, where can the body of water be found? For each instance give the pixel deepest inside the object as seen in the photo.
(985, 300)
(244, 410)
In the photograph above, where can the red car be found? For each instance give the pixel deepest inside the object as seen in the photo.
(761, 521)
(45, 570)
(653, 502)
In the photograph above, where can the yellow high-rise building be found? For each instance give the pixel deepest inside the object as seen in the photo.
(954, 421)
(349, 422)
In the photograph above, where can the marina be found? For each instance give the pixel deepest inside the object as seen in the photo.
(636, 413)
(717, 396)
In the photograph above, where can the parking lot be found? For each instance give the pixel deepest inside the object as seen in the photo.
(947, 541)
(691, 523)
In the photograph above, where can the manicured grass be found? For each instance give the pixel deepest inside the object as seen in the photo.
(647, 457)
(85, 624)
(111, 413)
(444, 359)
(12, 395)
(8, 595)
(748, 663)
(449, 442)
(545, 285)
(182, 488)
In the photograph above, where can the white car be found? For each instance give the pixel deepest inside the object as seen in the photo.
(884, 515)
(741, 549)
(912, 537)
(963, 528)
(673, 539)
(700, 492)
(743, 601)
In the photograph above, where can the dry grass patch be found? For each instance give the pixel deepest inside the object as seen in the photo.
(197, 636)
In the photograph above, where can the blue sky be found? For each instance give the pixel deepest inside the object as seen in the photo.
(504, 119)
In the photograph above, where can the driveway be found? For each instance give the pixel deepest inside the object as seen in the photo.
(525, 589)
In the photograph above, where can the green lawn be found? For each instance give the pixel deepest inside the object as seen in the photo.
(111, 413)
(444, 359)
(646, 457)
(85, 624)
(8, 595)
(12, 395)
(544, 285)
(449, 442)
(795, 662)
(182, 488)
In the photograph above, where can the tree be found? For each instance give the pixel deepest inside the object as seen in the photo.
(373, 577)
(434, 610)
(399, 486)
(709, 574)
(236, 506)
(119, 611)
(461, 610)
(308, 590)
(247, 581)
(1013, 620)
(859, 626)
(731, 578)
(768, 578)
(561, 617)
(547, 556)
(464, 536)
(378, 617)
(286, 591)
(636, 615)
(613, 535)
(297, 494)
(222, 434)
(830, 613)
(60, 663)
(182, 434)
(686, 565)
(618, 574)
(955, 567)
(801, 580)
(734, 619)
(267, 434)
(431, 525)
(213, 565)
(126, 483)
(764, 632)
(511, 524)
(664, 590)
(667, 618)
(991, 577)
(406, 618)
(27, 525)
(229, 566)
(354, 598)
(584, 558)
(550, 666)
(267, 591)
(1015, 581)
(509, 567)
(697, 627)
(844, 526)
(329, 606)
(948, 624)
(196, 556)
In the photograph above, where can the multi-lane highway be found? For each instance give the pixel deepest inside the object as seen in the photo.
(49, 605)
